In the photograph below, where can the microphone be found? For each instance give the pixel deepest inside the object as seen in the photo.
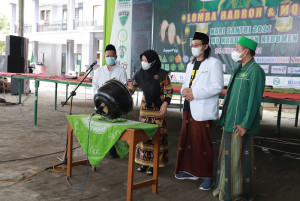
(91, 66)
(100, 109)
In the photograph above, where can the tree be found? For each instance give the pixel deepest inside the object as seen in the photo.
(4, 29)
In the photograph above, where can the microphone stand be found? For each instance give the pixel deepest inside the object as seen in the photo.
(72, 94)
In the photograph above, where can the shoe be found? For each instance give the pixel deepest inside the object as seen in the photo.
(142, 168)
(149, 171)
(207, 184)
(185, 176)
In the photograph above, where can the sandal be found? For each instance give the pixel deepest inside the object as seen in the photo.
(142, 168)
(149, 171)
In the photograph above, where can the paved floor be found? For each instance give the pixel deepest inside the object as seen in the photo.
(26, 149)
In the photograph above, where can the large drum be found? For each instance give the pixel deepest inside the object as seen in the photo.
(113, 99)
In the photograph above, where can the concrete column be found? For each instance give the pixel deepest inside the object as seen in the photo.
(13, 8)
(71, 14)
(35, 20)
(92, 54)
(35, 49)
(92, 48)
(21, 18)
(70, 56)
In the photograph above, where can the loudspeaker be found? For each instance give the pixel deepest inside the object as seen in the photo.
(15, 64)
(16, 46)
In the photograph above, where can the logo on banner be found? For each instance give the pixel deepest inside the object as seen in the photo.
(276, 81)
(123, 35)
(164, 59)
(173, 67)
(124, 4)
(295, 60)
(123, 16)
(278, 69)
(160, 58)
(181, 67)
(185, 59)
(294, 70)
(124, 65)
(171, 59)
(167, 67)
(178, 59)
(122, 50)
(294, 82)
(177, 77)
(265, 68)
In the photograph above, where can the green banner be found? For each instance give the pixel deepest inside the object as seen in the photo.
(274, 24)
(109, 10)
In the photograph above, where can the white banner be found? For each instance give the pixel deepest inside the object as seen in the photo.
(121, 33)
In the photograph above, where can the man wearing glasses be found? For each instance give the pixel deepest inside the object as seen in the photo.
(202, 85)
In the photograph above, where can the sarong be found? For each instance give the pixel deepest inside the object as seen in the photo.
(144, 154)
(235, 168)
(195, 153)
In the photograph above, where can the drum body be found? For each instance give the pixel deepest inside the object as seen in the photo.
(113, 99)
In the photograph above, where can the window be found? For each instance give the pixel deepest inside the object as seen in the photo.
(48, 13)
(65, 15)
(42, 17)
(45, 15)
(97, 14)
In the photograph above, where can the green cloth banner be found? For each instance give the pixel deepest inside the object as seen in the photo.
(109, 10)
(104, 134)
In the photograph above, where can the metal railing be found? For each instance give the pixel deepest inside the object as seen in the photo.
(86, 23)
(52, 26)
(27, 28)
(61, 26)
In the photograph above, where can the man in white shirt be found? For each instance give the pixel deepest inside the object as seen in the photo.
(109, 71)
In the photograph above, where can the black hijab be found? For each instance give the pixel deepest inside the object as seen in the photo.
(149, 80)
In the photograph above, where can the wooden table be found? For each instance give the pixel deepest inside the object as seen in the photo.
(132, 137)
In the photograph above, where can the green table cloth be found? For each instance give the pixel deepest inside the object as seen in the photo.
(104, 134)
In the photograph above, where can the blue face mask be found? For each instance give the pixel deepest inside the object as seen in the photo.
(110, 60)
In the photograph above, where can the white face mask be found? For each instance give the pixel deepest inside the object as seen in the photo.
(236, 56)
(146, 65)
(196, 51)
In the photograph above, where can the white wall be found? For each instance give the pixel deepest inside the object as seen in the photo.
(52, 58)
(57, 51)
(56, 13)
(88, 10)
(85, 56)
(28, 12)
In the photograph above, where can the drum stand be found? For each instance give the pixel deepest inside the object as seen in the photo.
(73, 93)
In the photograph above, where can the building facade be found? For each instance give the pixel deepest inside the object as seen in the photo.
(64, 35)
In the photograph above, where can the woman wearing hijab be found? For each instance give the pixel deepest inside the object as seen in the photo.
(152, 80)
